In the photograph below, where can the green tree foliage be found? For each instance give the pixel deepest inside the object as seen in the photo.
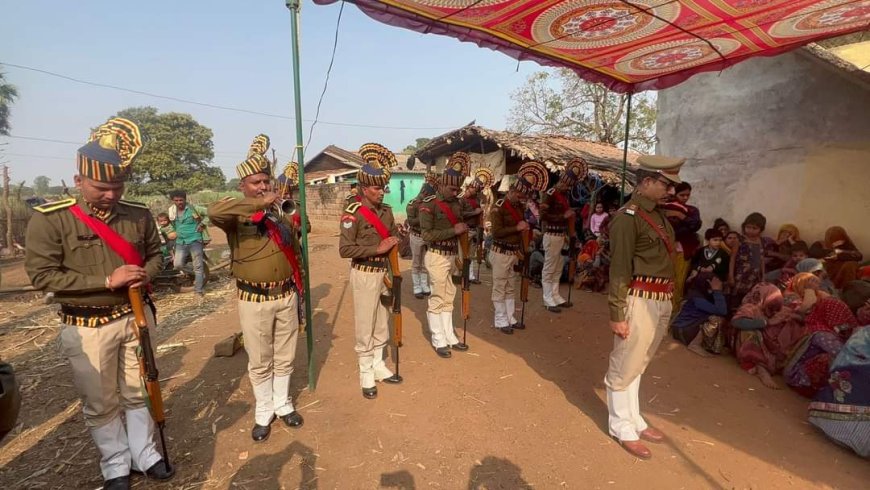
(8, 94)
(177, 153)
(560, 102)
(420, 143)
(232, 184)
(42, 185)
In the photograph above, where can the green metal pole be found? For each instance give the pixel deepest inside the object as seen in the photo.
(625, 151)
(293, 5)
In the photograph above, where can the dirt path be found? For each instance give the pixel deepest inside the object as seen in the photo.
(520, 411)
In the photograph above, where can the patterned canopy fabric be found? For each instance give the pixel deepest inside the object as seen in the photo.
(628, 45)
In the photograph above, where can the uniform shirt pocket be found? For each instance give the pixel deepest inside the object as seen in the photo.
(86, 250)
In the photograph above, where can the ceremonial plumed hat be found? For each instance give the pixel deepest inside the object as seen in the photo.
(430, 183)
(378, 166)
(456, 169)
(289, 178)
(668, 167)
(482, 178)
(110, 151)
(532, 176)
(575, 171)
(256, 162)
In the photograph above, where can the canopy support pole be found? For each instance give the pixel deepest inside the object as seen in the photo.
(625, 150)
(293, 5)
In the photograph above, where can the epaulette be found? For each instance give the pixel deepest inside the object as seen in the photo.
(499, 202)
(429, 198)
(412, 202)
(54, 206)
(352, 207)
(134, 204)
(630, 209)
(225, 199)
(385, 205)
(550, 191)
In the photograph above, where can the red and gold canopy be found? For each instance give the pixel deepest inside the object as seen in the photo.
(629, 45)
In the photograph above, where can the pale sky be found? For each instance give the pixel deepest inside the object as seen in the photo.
(237, 54)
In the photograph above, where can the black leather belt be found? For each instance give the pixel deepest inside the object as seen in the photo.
(504, 248)
(94, 311)
(555, 229)
(377, 264)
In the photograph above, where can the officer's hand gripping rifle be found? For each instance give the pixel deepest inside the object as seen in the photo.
(466, 282)
(148, 368)
(396, 288)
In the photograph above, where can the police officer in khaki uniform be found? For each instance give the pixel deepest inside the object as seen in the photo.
(361, 240)
(266, 264)
(508, 226)
(441, 224)
(471, 197)
(555, 213)
(419, 275)
(66, 256)
(641, 288)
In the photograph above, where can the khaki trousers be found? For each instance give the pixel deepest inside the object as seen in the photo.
(552, 270)
(503, 275)
(443, 289)
(105, 367)
(647, 321)
(270, 331)
(371, 326)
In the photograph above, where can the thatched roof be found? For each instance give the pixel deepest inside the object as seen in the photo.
(553, 150)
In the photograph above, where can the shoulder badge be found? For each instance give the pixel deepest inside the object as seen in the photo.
(499, 203)
(551, 191)
(133, 204)
(352, 207)
(429, 198)
(55, 206)
(412, 202)
(630, 209)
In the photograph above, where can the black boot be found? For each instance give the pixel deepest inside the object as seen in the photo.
(261, 432)
(159, 471)
(553, 309)
(443, 352)
(518, 326)
(462, 346)
(507, 330)
(393, 380)
(293, 419)
(120, 483)
(566, 304)
(370, 393)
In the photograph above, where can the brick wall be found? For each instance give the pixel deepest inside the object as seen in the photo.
(325, 204)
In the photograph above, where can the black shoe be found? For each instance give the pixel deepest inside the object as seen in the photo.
(507, 330)
(553, 309)
(261, 432)
(566, 304)
(475, 281)
(427, 293)
(462, 346)
(518, 326)
(443, 352)
(393, 380)
(158, 471)
(418, 295)
(370, 393)
(120, 483)
(293, 419)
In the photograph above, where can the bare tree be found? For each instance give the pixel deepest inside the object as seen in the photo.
(560, 102)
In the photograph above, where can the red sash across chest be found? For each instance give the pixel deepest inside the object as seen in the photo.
(514, 213)
(115, 241)
(376, 222)
(447, 211)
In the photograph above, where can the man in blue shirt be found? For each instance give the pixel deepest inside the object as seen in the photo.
(190, 226)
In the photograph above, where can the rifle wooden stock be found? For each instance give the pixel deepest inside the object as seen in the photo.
(147, 365)
(396, 287)
(466, 278)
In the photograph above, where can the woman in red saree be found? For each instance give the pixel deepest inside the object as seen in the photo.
(829, 324)
(767, 330)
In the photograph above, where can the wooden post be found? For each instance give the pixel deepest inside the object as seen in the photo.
(7, 207)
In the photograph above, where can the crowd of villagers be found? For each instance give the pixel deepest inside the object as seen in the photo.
(783, 306)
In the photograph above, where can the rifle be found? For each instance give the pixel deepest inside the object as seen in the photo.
(524, 284)
(572, 259)
(148, 368)
(396, 287)
(479, 244)
(466, 282)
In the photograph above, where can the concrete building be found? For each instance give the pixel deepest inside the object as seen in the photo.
(788, 136)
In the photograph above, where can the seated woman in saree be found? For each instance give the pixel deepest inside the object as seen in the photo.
(840, 254)
(766, 332)
(829, 323)
(842, 408)
(699, 323)
(817, 268)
